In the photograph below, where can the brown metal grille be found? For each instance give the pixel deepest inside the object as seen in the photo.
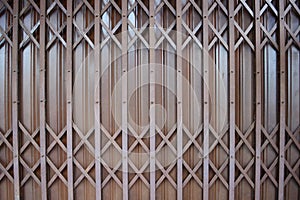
(164, 99)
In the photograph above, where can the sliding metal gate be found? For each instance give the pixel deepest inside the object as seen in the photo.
(158, 99)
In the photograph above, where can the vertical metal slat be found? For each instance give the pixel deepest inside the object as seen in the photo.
(15, 120)
(179, 98)
(205, 74)
(258, 100)
(69, 99)
(97, 102)
(232, 101)
(43, 99)
(282, 123)
(152, 101)
(124, 102)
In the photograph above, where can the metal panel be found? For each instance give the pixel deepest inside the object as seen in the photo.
(166, 99)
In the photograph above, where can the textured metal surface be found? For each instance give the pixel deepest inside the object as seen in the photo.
(166, 99)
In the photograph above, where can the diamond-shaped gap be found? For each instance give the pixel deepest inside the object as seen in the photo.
(192, 156)
(57, 190)
(270, 19)
(62, 4)
(111, 158)
(193, 160)
(292, 153)
(26, 5)
(294, 24)
(166, 156)
(138, 156)
(138, 16)
(7, 8)
(30, 21)
(244, 156)
(84, 24)
(161, 18)
(244, 20)
(269, 152)
(5, 18)
(166, 153)
(5, 151)
(57, 20)
(30, 154)
(111, 17)
(57, 155)
(193, 20)
(271, 155)
(225, 173)
(85, 188)
(84, 156)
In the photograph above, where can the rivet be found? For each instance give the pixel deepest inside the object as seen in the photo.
(205, 102)
(152, 102)
(258, 103)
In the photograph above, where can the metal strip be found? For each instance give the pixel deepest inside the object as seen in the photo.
(179, 98)
(232, 101)
(69, 99)
(258, 100)
(97, 102)
(43, 99)
(124, 102)
(152, 101)
(15, 120)
(205, 74)
(282, 100)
